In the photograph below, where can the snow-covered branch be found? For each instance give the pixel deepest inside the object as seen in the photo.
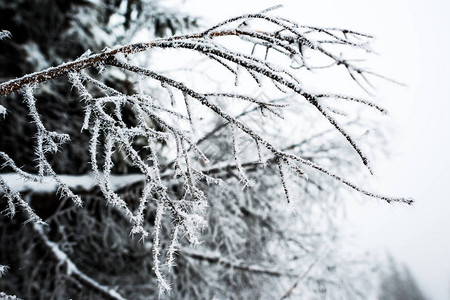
(72, 269)
(217, 258)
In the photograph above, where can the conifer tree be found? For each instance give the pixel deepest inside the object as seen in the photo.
(397, 283)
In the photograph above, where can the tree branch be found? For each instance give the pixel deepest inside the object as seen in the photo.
(72, 269)
(217, 258)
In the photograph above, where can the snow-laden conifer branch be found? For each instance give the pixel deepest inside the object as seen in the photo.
(72, 270)
(4, 296)
(3, 270)
(5, 34)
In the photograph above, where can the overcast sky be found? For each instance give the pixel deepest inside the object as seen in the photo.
(412, 38)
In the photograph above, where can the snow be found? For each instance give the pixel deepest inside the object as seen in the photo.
(3, 270)
(4, 34)
(86, 182)
(2, 111)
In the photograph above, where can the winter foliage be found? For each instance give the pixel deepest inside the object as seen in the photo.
(217, 194)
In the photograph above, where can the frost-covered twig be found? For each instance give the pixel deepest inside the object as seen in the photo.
(16, 200)
(286, 157)
(3, 270)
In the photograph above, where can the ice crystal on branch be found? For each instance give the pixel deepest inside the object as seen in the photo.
(3, 270)
(4, 34)
(131, 125)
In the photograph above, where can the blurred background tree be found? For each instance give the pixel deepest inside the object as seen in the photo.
(397, 283)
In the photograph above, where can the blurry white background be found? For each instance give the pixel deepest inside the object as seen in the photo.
(413, 42)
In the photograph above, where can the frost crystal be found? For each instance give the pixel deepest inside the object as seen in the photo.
(3, 270)
(4, 34)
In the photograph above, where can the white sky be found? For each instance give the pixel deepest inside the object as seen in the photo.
(413, 42)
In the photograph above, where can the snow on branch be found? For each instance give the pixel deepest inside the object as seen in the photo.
(4, 34)
(3, 270)
(4, 296)
(216, 258)
(72, 270)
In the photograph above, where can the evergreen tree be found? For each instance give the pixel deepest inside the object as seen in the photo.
(397, 283)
